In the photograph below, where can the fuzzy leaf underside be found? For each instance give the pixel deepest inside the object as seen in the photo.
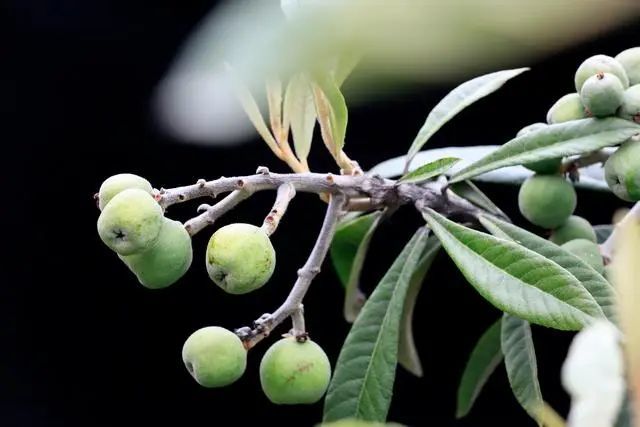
(557, 140)
(300, 113)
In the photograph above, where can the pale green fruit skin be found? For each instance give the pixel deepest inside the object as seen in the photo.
(622, 171)
(630, 61)
(600, 64)
(602, 94)
(240, 258)
(566, 109)
(587, 251)
(547, 200)
(630, 108)
(548, 166)
(166, 261)
(293, 372)
(117, 183)
(131, 222)
(214, 356)
(575, 227)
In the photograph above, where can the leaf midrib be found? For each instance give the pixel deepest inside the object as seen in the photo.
(378, 338)
(496, 268)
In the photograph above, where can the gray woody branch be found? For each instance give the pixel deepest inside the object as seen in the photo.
(369, 192)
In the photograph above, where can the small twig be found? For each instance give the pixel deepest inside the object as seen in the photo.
(286, 192)
(311, 268)
(351, 186)
(607, 248)
(212, 213)
(589, 159)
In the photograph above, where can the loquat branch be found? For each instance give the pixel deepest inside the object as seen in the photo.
(293, 304)
(286, 192)
(571, 166)
(211, 213)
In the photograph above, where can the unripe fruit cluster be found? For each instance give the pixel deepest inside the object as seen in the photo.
(605, 86)
(240, 257)
(292, 371)
(132, 223)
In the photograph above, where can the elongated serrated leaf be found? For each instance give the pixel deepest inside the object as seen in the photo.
(515, 279)
(602, 292)
(520, 361)
(469, 191)
(557, 140)
(603, 232)
(407, 352)
(484, 359)
(457, 100)
(300, 114)
(365, 371)
(338, 113)
(430, 170)
(354, 298)
(591, 177)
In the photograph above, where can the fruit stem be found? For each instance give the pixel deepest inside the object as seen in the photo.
(297, 319)
(595, 157)
(286, 192)
(212, 213)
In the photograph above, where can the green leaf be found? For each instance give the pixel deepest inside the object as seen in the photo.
(354, 298)
(457, 100)
(347, 240)
(558, 140)
(602, 292)
(469, 191)
(591, 177)
(430, 170)
(338, 113)
(407, 352)
(521, 364)
(484, 359)
(300, 114)
(515, 279)
(362, 383)
(603, 232)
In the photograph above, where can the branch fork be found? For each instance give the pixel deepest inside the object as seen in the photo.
(355, 191)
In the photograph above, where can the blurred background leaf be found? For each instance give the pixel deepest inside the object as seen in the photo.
(403, 42)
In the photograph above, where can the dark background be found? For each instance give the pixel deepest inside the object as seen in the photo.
(84, 344)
